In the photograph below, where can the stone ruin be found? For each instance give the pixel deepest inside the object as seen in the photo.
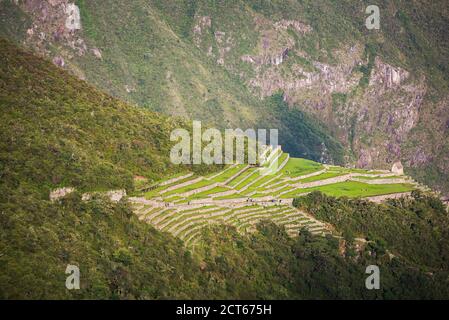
(60, 193)
(113, 195)
(397, 168)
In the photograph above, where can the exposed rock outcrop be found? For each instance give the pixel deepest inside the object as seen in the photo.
(59, 61)
(374, 123)
(54, 22)
(386, 75)
(296, 25)
(203, 23)
(97, 53)
(73, 19)
(324, 78)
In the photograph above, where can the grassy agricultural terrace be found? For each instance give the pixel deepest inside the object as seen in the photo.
(242, 195)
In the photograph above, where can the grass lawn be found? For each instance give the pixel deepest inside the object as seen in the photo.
(355, 170)
(354, 189)
(284, 189)
(242, 176)
(282, 158)
(196, 209)
(207, 193)
(377, 178)
(248, 180)
(172, 198)
(259, 195)
(323, 176)
(298, 167)
(226, 174)
(191, 187)
(261, 181)
(231, 196)
(275, 165)
(155, 192)
(276, 184)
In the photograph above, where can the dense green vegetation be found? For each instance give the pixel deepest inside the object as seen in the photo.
(312, 267)
(354, 189)
(299, 167)
(16, 20)
(122, 258)
(59, 131)
(416, 229)
(118, 256)
(301, 134)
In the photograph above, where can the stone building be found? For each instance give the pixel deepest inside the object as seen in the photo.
(397, 168)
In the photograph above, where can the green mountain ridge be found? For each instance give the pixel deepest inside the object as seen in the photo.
(153, 66)
(59, 131)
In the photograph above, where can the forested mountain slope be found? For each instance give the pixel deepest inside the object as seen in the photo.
(57, 130)
(130, 50)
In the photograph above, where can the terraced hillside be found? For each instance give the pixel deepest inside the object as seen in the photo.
(242, 195)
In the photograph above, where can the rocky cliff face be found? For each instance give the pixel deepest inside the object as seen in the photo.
(387, 111)
(372, 106)
(53, 21)
(55, 31)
